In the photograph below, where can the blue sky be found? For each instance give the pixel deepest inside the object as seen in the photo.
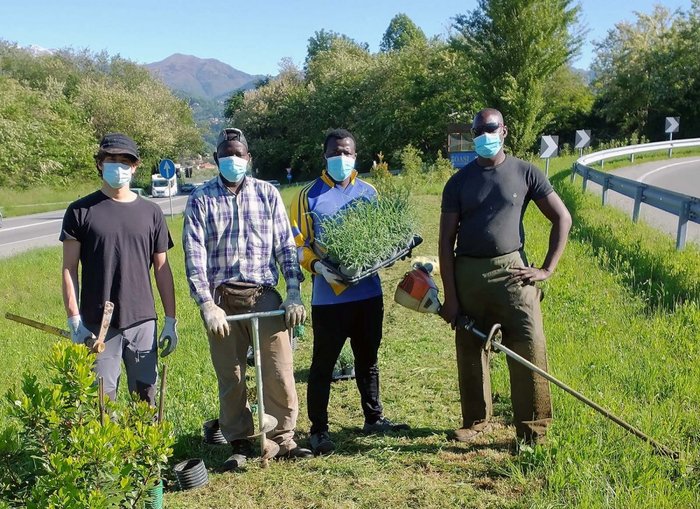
(251, 36)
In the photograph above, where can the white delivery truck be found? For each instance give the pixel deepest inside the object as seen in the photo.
(162, 187)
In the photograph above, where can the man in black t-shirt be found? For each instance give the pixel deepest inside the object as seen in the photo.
(488, 278)
(117, 236)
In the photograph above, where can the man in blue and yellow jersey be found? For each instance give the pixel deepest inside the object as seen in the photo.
(339, 311)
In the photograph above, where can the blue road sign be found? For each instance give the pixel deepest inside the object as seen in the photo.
(461, 159)
(166, 168)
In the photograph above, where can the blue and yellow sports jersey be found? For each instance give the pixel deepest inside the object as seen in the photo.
(316, 201)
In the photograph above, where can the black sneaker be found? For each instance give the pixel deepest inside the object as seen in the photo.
(321, 443)
(242, 450)
(383, 425)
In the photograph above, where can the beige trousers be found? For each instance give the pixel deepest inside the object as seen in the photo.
(228, 356)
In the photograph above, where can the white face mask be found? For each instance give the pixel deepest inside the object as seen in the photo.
(117, 175)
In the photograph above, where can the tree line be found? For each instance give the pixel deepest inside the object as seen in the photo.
(514, 55)
(54, 108)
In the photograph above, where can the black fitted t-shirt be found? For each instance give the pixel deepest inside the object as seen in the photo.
(491, 202)
(117, 244)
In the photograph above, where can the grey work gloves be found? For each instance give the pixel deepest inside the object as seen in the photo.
(294, 312)
(215, 319)
(78, 332)
(167, 342)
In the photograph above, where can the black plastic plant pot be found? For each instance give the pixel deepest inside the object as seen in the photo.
(191, 473)
(212, 433)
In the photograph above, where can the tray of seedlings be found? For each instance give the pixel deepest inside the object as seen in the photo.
(368, 236)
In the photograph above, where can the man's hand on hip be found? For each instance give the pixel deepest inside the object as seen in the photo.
(215, 319)
(294, 312)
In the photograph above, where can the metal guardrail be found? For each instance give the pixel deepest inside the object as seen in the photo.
(687, 208)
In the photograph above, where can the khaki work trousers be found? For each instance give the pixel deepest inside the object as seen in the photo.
(486, 297)
(228, 356)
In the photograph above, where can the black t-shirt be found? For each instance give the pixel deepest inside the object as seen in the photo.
(491, 202)
(117, 243)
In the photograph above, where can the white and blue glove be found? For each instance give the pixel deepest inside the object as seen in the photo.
(167, 342)
(78, 332)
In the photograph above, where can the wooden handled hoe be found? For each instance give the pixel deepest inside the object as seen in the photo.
(96, 345)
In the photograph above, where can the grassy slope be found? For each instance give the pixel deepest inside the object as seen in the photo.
(622, 321)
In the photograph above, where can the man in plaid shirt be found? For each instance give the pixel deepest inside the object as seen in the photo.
(236, 233)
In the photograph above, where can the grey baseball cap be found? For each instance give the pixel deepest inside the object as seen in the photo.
(231, 134)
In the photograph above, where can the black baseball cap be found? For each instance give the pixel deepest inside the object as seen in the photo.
(118, 143)
(231, 134)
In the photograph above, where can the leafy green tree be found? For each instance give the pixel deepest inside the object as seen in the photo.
(323, 40)
(569, 103)
(647, 70)
(401, 32)
(515, 47)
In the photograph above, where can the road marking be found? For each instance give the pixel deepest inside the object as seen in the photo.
(28, 240)
(641, 179)
(29, 225)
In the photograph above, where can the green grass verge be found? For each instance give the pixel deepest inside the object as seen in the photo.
(15, 202)
(622, 316)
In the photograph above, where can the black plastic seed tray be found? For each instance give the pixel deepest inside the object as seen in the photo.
(399, 254)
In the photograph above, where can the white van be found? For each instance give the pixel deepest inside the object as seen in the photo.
(161, 187)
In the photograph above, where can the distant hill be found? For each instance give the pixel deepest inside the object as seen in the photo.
(206, 78)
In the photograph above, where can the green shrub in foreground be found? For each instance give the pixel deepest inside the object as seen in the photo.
(55, 453)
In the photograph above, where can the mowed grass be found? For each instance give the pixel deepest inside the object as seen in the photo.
(622, 318)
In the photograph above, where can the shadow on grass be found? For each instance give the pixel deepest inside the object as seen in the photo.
(301, 375)
(640, 266)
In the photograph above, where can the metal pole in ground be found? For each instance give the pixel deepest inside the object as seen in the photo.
(489, 342)
(266, 422)
(161, 396)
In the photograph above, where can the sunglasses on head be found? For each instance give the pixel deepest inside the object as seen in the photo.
(486, 128)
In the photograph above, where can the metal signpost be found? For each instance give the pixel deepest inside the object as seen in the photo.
(583, 140)
(671, 126)
(549, 147)
(166, 168)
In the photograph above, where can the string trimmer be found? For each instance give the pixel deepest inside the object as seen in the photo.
(418, 291)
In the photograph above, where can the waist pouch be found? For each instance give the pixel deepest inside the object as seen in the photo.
(240, 297)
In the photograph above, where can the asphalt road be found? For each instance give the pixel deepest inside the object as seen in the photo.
(19, 234)
(681, 175)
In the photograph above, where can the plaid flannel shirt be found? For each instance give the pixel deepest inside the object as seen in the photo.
(237, 237)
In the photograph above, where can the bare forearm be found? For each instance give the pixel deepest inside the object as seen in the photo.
(558, 237)
(71, 291)
(166, 289)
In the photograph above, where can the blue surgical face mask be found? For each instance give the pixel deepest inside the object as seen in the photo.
(117, 175)
(340, 167)
(488, 145)
(233, 168)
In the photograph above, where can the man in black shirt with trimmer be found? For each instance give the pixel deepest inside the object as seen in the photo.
(487, 276)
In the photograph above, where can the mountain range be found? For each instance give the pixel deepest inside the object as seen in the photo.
(205, 78)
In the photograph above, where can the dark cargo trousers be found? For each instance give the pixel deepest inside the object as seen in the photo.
(486, 297)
